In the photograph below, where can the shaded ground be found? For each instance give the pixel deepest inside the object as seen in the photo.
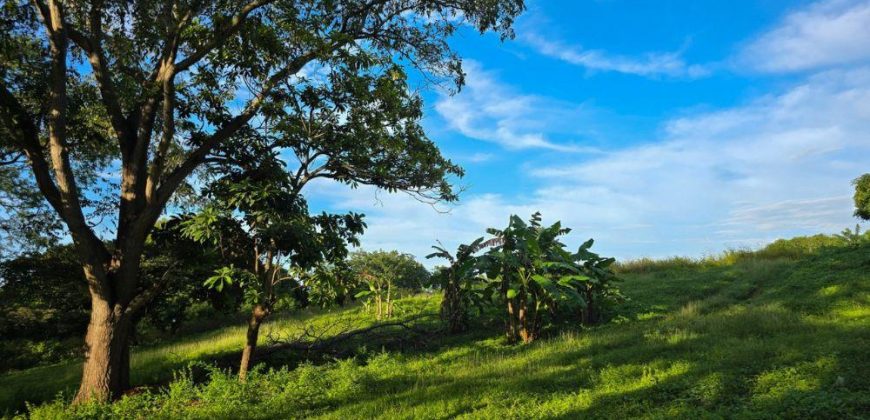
(750, 337)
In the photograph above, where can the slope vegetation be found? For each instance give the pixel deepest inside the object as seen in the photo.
(782, 332)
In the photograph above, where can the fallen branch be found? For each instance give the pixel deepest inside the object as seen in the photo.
(320, 343)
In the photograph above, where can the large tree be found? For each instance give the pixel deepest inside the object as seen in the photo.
(153, 88)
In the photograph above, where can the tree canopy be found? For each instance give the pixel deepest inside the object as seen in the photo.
(157, 91)
(862, 196)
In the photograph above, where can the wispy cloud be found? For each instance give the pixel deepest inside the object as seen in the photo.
(651, 64)
(777, 166)
(824, 34)
(490, 111)
(480, 157)
(813, 214)
(774, 167)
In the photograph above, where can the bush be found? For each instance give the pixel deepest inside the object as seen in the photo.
(22, 353)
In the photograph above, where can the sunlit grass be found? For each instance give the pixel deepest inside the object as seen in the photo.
(750, 337)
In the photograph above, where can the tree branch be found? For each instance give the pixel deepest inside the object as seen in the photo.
(221, 34)
(89, 246)
(26, 137)
(148, 294)
(92, 46)
(177, 176)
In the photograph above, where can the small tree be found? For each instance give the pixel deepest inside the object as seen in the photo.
(598, 288)
(264, 220)
(862, 196)
(382, 272)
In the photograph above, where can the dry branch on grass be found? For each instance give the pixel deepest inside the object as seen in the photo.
(331, 339)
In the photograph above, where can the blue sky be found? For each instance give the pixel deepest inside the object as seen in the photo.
(657, 128)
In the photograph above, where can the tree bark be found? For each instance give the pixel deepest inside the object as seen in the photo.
(452, 311)
(106, 372)
(526, 333)
(512, 323)
(257, 316)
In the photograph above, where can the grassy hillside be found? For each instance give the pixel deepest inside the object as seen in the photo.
(783, 332)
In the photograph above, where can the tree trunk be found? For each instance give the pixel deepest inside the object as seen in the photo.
(378, 306)
(106, 372)
(527, 333)
(590, 315)
(389, 301)
(451, 309)
(257, 316)
(512, 322)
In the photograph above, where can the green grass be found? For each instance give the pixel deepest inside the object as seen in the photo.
(157, 364)
(771, 334)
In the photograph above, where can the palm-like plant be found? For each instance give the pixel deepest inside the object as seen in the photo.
(598, 289)
(532, 273)
(457, 281)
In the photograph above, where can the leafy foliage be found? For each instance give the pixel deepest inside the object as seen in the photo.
(459, 282)
(862, 196)
(533, 276)
(331, 284)
(382, 273)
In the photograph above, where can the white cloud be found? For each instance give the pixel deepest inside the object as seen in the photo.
(775, 167)
(778, 166)
(489, 111)
(650, 64)
(480, 157)
(825, 34)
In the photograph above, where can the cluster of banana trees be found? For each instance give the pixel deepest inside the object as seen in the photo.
(458, 281)
(531, 274)
(379, 295)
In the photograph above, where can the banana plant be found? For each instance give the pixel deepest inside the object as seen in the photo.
(533, 275)
(459, 281)
(600, 289)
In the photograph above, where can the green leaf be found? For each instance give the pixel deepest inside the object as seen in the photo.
(543, 281)
(512, 293)
(570, 279)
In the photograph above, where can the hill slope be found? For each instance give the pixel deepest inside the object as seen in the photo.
(751, 335)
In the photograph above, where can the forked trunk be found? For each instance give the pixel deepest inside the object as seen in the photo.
(257, 316)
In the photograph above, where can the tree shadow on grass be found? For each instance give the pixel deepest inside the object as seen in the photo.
(752, 350)
(766, 338)
(654, 379)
